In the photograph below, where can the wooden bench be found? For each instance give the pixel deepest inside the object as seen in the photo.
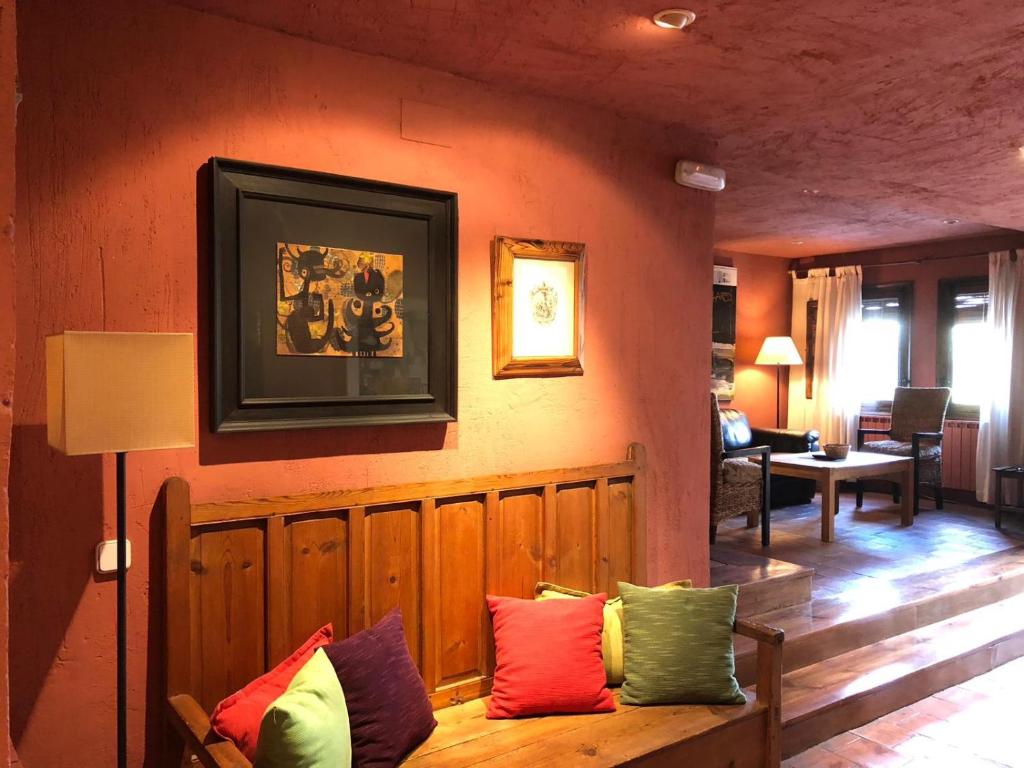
(247, 581)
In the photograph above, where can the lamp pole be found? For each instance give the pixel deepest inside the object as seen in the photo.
(122, 614)
(778, 397)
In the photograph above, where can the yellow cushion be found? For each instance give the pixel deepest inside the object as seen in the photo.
(612, 642)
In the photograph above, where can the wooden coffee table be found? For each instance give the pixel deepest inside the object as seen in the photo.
(856, 466)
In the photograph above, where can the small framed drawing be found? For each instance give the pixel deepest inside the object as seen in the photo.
(537, 306)
(333, 300)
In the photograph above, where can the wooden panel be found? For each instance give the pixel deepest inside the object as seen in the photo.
(619, 552)
(393, 568)
(228, 601)
(249, 580)
(518, 543)
(317, 576)
(463, 625)
(574, 547)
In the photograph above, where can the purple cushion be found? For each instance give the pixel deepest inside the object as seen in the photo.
(388, 709)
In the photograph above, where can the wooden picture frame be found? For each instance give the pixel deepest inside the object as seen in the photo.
(537, 307)
(333, 300)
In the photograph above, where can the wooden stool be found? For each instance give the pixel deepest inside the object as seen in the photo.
(1014, 471)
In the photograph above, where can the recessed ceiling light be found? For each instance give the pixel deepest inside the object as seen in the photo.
(809, 191)
(798, 242)
(951, 221)
(674, 18)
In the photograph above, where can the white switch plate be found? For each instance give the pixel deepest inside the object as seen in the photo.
(106, 556)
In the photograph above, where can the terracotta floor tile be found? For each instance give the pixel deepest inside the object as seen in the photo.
(870, 754)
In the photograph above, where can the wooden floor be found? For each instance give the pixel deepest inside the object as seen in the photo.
(871, 549)
(972, 725)
(890, 615)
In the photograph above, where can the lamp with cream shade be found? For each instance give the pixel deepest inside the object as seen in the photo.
(114, 393)
(778, 351)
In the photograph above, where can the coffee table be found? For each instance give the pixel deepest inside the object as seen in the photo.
(856, 466)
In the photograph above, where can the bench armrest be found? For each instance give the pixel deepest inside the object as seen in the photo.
(768, 686)
(192, 722)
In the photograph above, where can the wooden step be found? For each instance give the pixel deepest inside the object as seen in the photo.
(854, 688)
(832, 626)
(765, 584)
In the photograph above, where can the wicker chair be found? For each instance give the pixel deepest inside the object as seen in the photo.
(918, 416)
(738, 487)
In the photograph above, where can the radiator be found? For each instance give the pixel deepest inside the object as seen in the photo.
(959, 447)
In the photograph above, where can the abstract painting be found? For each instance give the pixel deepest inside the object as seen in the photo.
(338, 302)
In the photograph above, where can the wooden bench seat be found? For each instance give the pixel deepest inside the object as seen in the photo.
(249, 580)
(465, 738)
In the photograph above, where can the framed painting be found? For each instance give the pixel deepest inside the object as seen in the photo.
(537, 308)
(333, 300)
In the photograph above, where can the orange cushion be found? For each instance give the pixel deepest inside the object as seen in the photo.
(238, 717)
(548, 657)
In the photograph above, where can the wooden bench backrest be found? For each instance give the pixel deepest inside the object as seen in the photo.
(248, 581)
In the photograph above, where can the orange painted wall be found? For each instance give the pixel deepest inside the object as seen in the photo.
(124, 102)
(764, 298)
(8, 86)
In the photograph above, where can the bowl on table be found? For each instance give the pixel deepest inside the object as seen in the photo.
(836, 451)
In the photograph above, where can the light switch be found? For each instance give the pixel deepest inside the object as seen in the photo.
(106, 556)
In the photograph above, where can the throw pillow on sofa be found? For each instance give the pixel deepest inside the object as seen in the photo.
(548, 657)
(678, 646)
(389, 712)
(238, 717)
(307, 725)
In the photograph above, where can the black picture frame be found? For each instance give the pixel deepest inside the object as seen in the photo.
(256, 206)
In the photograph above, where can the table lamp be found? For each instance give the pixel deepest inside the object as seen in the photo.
(778, 351)
(114, 393)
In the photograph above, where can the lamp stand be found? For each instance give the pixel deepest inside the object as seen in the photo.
(122, 614)
(778, 401)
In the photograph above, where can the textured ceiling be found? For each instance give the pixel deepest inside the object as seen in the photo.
(842, 125)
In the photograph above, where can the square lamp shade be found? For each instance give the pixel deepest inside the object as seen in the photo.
(778, 350)
(119, 392)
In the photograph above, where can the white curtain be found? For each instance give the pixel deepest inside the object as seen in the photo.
(834, 405)
(1001, 427)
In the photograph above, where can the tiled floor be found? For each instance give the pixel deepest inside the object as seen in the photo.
(975, 724)
(871, 548)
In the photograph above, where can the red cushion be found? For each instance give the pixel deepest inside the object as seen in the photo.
(548, 655)
(238, 717)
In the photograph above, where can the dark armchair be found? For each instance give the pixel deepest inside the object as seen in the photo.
(738, 486)
(785, 491)
(918, 418)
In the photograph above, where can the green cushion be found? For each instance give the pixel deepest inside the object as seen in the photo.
(307, 726)
(678, 646)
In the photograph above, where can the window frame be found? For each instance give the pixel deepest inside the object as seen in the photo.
(904, 292)
(948, 290)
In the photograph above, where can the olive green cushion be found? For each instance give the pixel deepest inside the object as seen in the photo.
(307, 725)
(611, 632)
(678, 646)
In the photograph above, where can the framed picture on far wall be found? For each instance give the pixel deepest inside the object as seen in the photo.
(333, 300)
(537, 308)
(723, 333)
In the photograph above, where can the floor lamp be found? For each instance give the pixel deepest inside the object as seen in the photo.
(114, 393)
(778, 351)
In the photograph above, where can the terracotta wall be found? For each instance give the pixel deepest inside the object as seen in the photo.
(124, 102)
(8, 86)
(764, 297)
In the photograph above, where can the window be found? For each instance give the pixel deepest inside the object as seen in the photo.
(885, 342)
(962, 343)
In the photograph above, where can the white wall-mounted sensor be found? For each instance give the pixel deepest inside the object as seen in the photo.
(700, 176)
(106, 556)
